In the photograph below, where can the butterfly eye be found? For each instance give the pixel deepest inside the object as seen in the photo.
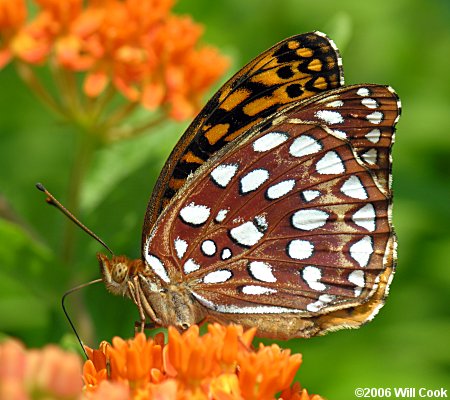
(119, 272)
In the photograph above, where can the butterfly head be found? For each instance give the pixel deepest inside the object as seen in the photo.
(116, 272)
(163, 304)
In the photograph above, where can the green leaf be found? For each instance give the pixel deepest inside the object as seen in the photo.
(28, 280)
(115, 163)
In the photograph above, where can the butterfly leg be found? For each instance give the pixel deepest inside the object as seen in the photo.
(139, 298)
(138, 326)
(133, 287)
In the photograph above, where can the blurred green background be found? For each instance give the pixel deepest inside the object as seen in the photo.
(404, 43)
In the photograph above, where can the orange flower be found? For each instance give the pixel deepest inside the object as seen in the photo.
(219, 365)
(297, 393)
(54, 370)
(137, 48)
(108, 390)
(12, 370)
(35, 41)
(50, 370)
(260, 379)
(12, 15)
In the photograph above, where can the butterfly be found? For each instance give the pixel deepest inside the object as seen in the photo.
(274, 210)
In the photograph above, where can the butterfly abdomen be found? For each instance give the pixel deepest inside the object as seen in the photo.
(172, 305)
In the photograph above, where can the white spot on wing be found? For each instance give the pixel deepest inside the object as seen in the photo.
(233, 309)
(190, 266)
(280, 189)
(310, 195)
(223, 174)
(219, 276)
(363, 92)
(362, 250)
(340, 134)
(331, 164)
(226, 253)
(209, 247)
(261, 222)
(269, 141)
(253, 180)
(262, 271)
(330, 117)
(308, 220)
(256, 290)
(246, 234)
(336, 103)
(320, 303)
(354, 188)
(221, 215)
(365, 217)
(312, 276)
(195, 214)
(180, 247)
(300, 249)
(157, 266)
(370, 156)
(375, 118)
(357, 277)
(374, 135)
(369, 103)
(304, 146)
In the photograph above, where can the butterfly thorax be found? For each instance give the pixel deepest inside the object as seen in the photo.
(165, 304)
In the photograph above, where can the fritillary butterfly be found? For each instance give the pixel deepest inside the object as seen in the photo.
(274, 208)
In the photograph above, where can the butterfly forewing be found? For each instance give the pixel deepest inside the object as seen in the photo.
(292, 70)
(290, 218)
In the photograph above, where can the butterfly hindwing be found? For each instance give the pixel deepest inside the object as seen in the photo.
(290, 218)
(365, 115)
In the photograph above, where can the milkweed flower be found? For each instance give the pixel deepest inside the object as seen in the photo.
(12, 16)
(27, 374)
(220, 365)
(136, 48)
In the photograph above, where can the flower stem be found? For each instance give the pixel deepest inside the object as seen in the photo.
(29, 77)
(128, 132)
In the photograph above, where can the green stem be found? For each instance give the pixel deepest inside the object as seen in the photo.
(117, 116)
(128, 132)
(98, 105)
(29, 77)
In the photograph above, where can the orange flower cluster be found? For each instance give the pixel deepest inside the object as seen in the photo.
(138, 47)
(219, 365)
(27, 374)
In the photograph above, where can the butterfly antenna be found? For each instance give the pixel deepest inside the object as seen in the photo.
(67, 314)
(52, 201)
